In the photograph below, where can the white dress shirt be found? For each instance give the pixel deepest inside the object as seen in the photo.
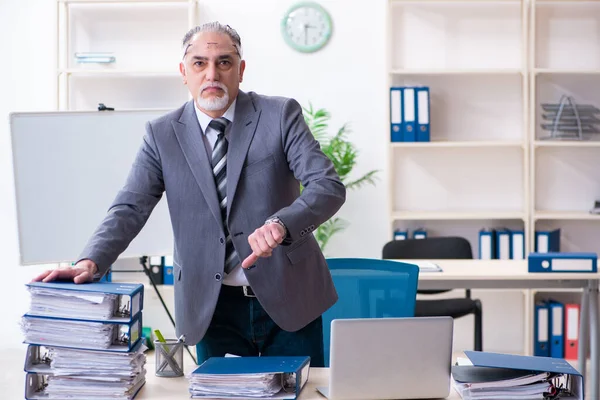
(209, 136)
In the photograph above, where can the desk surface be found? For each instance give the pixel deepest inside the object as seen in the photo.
(489, 274)
(12, 380)
(177, 388)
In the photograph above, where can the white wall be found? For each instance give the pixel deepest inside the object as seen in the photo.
(348, 78)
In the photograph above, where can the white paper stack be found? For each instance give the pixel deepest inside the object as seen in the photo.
(72, 304)
(531, 386)
(84, 343)
(243, 385)
(79, 334)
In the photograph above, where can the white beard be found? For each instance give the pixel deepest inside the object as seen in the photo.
(213, 103)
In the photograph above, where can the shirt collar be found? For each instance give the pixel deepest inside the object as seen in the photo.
(204, 119)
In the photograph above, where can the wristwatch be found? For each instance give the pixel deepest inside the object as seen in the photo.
(276, 220)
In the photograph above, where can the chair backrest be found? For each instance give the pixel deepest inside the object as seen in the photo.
(434, 248)
(370, 288)
(440, 248)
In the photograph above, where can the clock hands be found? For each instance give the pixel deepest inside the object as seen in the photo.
(306, 26)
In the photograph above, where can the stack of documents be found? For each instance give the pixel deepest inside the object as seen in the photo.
(72, 303)
(503, 376)
(250, 377)
(84, 341)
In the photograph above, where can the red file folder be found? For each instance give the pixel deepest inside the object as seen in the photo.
(572, 312)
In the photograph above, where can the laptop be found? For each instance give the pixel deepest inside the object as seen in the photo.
(390, 358)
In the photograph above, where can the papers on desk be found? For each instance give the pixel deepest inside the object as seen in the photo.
(86, 335)
(119, 302)
(503, 376)
(72, 356)
(426, 266)
(249, 378)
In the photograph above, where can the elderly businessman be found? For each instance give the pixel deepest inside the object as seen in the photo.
(250, 278)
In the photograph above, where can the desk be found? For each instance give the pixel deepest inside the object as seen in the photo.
(177, 388)
(513, 274)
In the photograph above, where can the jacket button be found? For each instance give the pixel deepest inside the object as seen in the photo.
(218, 277)
(222, 240)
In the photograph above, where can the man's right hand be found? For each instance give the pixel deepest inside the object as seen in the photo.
(81, 272)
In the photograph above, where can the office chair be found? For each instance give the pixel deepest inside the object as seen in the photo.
(440, 248)
(370, 288)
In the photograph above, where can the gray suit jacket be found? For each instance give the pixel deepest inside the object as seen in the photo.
(271, 151)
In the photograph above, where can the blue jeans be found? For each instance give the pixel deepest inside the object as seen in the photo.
(242, 327)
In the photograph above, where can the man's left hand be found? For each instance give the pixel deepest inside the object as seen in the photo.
(263, 241)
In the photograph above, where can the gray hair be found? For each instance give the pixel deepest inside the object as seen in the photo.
(213, 27)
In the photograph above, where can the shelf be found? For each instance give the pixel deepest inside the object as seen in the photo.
(461, 71)
(567, 143)
(566, 35)
(120, 72)
(126, 1)
(499, 2)
(558, 71)
(456, 35)
(458, 215)
(139, 35)
(125, 92)
(463, 110)
(567, 215)
(458, 144)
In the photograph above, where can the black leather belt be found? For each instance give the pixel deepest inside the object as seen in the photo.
(238, 290)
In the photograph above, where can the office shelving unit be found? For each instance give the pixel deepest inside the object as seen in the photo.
(564, 60)
(143, 35)
(489, 64)
(475, 171)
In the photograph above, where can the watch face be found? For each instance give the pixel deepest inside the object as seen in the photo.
(306, 27)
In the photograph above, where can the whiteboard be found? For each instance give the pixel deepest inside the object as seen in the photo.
(68, 168)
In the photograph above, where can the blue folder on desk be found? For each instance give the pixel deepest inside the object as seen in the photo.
(532, 364)
(99, 335)
(129, 301)
(230, 377)
(563, 262)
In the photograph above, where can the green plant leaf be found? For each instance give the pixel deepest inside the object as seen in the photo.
(369, 178)
(343, 156)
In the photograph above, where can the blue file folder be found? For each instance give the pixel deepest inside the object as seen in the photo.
(487, 244)
(125, 335)
(294, 370)
(556, 324)
(503, 244)
(420, 233)
(532, 364)
(517, 244)
(563, 262)
(410, 114)
(541, 329)
(35, 385)
(396, 115)
(130, 296)
(547, 241)
(400, 234)
(423, 114)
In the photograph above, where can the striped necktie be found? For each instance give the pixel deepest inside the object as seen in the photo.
(219, 167)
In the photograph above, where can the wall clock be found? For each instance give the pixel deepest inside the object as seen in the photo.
(306, 27)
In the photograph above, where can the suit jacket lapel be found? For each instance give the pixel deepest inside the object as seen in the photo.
(188, 134)
(240, 137)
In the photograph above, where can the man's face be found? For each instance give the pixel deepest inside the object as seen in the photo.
(212, 70)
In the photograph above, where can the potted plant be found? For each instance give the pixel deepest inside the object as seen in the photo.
(343, 155)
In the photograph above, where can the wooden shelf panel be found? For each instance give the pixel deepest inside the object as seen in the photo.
(457, 215)
(565, 215)
(458, 144)
(567, 143)
(459, 71)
